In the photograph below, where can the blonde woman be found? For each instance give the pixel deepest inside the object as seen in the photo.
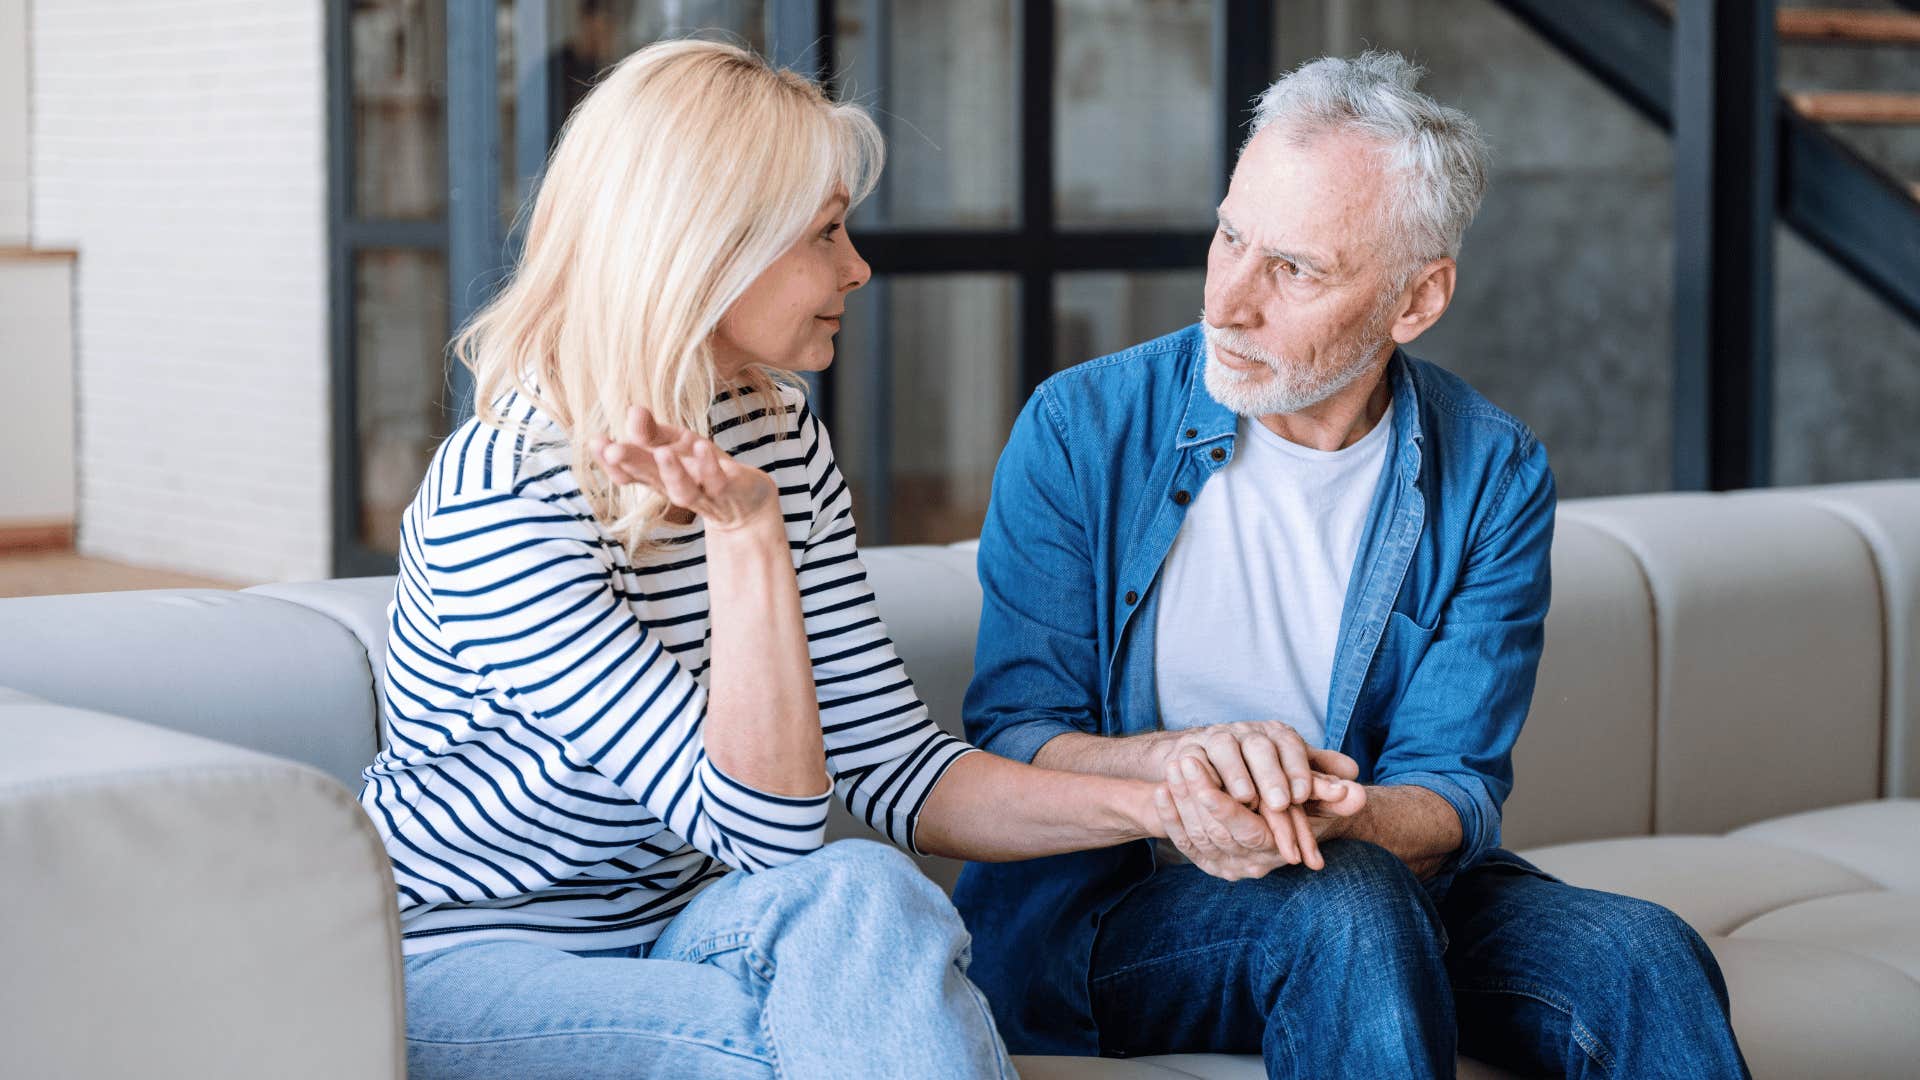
(633, 651)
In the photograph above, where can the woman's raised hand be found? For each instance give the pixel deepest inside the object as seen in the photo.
(690, 471)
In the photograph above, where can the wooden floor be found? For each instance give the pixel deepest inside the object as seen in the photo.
(43, 573)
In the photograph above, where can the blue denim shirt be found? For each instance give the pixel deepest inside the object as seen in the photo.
(1433, 671)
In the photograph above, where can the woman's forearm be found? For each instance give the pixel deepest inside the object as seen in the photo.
(989, 809)
(763, 722)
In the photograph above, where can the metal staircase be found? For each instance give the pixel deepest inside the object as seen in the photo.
(1745, 156)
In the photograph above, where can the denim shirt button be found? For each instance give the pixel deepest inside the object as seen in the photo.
(1192, 431)
(1132, 596)
(1218, 454)
(1181, 498)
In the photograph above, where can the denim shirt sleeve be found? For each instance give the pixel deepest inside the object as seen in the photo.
(1036, 663)
(1461, 711)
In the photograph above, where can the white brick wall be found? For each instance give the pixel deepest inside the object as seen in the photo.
(13, 122)
(180, 147)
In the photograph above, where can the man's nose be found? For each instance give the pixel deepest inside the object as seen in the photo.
(1232, 294)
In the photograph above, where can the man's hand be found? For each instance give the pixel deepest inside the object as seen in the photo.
(1231, 841)
(1259, 762)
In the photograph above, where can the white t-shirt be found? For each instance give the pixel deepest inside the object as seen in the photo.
(1252, 592)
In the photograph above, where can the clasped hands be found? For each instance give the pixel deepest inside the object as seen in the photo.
(1244, 798)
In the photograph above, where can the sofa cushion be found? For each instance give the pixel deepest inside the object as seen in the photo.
(1815, 918)
(176, 906)
(1878, 840)
(359, 604)
(248, 670)
(1887, 516)
(1583, 766)
(1769, 644)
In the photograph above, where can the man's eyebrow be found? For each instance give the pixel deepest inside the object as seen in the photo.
(1305, 262)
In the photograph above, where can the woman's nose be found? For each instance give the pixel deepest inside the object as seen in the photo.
(857, 272)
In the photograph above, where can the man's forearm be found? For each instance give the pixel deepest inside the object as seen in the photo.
(1130, 757)
(1419, 827)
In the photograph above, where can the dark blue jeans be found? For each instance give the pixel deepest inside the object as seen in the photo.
(1353, 971)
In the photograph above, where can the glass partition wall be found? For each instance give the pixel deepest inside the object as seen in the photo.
(1047, 198)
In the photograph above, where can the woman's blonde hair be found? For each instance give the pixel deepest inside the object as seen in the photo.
(685, 173)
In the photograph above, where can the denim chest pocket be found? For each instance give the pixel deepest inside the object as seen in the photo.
(1404, 629)
(1405, 640)
(1402, 643)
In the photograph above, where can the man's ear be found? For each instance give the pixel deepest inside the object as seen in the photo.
(1426, 300)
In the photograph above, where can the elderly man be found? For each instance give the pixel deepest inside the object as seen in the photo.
(1300, 576)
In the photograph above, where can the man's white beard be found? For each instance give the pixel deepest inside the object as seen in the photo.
(1288, 388)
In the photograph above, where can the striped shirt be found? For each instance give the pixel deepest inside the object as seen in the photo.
(544, 778)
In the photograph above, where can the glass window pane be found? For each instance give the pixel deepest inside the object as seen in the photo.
(924, 394)
(1136, 127)
(1095, 314)
(400, 335)
(939, 78)
(398, 54)
(509, 92)
(589, 36)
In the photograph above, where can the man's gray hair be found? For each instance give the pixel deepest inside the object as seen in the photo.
(1437, 153)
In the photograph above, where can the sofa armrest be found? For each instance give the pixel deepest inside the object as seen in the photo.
(174, 906)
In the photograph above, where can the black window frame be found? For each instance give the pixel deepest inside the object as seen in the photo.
(476, 247)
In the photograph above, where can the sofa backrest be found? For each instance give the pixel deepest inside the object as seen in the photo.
(1710, 660)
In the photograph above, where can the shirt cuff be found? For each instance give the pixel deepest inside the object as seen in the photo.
(1020, 741)
(773, 828)
(1479, 819)
(953, 752)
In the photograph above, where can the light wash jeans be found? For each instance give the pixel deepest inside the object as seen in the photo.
(846, 963)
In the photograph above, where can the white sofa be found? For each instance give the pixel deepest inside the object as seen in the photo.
(1727, 722)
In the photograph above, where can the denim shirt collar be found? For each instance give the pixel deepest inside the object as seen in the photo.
(1206, 420)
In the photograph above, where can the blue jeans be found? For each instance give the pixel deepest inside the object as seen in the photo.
(846, 962)
(1353, 971)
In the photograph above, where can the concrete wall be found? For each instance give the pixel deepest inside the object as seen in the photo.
(181, 149)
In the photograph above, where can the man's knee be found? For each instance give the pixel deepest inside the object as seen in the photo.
(1641, 943)
(1373, 900)
(1364, 913)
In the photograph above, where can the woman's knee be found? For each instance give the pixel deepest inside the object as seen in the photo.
(866, 876)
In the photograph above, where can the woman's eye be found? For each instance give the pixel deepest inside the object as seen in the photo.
(827, 233)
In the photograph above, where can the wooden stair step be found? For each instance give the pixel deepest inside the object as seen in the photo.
(1857, 107)
(1849, 27)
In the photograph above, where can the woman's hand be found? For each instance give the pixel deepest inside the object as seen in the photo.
(690, 471)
